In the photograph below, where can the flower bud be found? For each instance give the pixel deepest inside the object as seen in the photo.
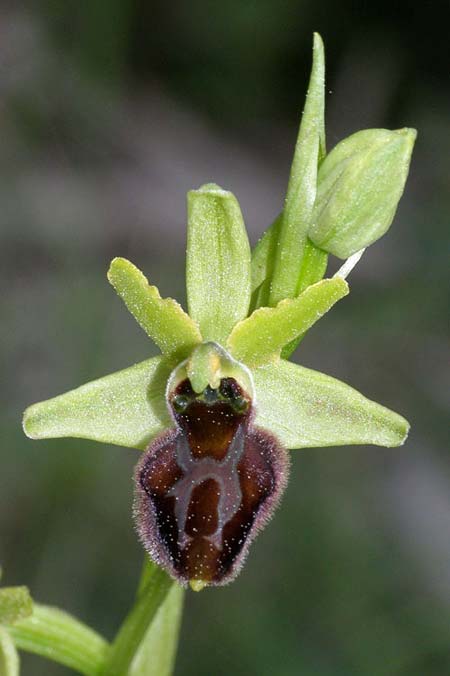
(359, 186)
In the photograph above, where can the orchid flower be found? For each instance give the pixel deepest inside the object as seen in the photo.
(218, 409)
(217, 413)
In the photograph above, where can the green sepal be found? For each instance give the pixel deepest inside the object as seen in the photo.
(261, 337)
(9, 658)
(302, 186)
(127, 408)
(15, 604)
(217, 262)
(163, 319)
(360, 184)
(305, 409)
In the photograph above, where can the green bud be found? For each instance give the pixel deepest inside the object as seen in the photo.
(15, 604)
(359, 186)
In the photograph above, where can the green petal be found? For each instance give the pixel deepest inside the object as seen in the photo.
(217, 262)
(9, 659)
(262, 336)
(302, 186)
(163, 319)
(15, 604)
(127, 408)
(360, 184)
(305, 408)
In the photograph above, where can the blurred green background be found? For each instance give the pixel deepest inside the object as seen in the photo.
(109, 113)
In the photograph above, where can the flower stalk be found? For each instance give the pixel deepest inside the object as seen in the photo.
(152, 594)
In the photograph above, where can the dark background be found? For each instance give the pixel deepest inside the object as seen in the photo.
(109, 113)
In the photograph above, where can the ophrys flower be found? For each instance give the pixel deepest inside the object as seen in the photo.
(217, 411)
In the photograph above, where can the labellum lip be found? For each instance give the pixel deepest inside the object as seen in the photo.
(206, 488)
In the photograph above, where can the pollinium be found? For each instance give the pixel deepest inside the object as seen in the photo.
(205, 488)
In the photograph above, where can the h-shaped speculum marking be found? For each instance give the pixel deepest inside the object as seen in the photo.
(197, 471)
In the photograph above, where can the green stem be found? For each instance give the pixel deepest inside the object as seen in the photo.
(9, 659)
(58, 636)
(138, 621)
(156, 654)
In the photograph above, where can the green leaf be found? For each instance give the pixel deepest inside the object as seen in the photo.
(135, 626)
(302, 185)
(15, 604)
(127, 408)
(313, 268)
(163, 319)
(156, 654)
(284, 246)
(262, 336)
(60, 637)
(217, 262)
(9, 659)
(263, 254)
(360, 184)
(305, 408)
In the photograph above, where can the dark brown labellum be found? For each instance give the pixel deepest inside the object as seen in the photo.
(205, 488)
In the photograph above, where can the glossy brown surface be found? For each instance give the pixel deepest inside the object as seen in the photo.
(204, 488)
